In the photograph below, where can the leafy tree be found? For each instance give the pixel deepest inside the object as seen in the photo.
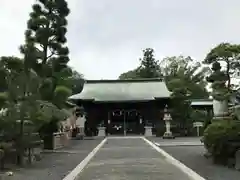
(184, 75)
(148, 68)
(199, 116)
(9, 65)
(228, 53)
(45, 37)
(77, 81)
(185, 78)
(42, 74)
(132, 74)
(22, 85)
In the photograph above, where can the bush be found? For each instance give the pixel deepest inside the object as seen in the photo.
(160, 131)
(220, 140)
(61, 93)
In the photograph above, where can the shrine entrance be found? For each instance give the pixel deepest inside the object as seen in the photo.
(125, 122)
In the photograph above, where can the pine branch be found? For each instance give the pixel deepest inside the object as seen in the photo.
(52, 53)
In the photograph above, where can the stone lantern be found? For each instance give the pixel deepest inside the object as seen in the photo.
(80, 122)
(167, 118)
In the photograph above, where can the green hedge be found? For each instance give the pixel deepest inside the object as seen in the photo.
(222, 139)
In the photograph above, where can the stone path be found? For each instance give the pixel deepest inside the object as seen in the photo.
(130, 159)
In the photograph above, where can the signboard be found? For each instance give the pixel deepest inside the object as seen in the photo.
(197, 124)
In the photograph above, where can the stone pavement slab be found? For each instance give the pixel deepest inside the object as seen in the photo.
(130, 159)
(56, 165)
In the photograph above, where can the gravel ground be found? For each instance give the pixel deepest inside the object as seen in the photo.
(56, 165)
(130, 159)
(192, 156)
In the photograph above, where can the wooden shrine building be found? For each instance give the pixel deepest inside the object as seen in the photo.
(123, 106)
(203, 105)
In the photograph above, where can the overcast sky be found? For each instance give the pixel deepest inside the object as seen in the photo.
(106, 37)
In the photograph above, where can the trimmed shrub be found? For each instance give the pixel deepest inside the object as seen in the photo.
(160, 131)
(61, 93)
(222, 139)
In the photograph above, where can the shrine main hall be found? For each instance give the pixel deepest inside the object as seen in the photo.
(123, 106)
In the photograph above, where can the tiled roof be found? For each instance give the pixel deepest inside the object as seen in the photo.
(123, 90)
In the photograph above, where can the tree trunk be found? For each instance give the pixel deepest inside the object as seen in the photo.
(20, 149)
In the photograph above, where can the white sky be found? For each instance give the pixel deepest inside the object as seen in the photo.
(106, 37)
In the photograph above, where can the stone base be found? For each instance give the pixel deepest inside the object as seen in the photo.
(59, 140)
(148, 131)
(101, 132)
(168, 135)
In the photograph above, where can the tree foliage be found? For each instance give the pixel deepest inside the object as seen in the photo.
(185, 78)
(148, 68)
(77, 82)
(35, 88)
(185, 75)
(132, 74)
(45, 38)
(228, 53)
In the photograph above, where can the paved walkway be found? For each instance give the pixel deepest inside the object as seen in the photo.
(131, 159)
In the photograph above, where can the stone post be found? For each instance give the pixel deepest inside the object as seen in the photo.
(101, 131)
(148, 131)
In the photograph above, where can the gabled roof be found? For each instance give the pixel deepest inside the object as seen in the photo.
(123, 90)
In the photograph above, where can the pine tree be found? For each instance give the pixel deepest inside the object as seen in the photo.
(149, 65)
(45, 38)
